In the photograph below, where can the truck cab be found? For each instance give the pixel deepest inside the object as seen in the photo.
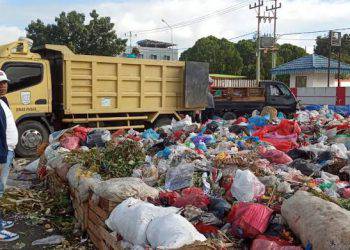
(29, 94)
(231, 101)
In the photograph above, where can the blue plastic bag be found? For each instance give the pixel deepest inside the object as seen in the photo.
(150, 134)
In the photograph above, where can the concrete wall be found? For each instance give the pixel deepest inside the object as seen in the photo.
(314, 80)
(323, 96)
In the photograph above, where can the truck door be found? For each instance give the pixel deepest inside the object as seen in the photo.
(28, 90)
(280, 97)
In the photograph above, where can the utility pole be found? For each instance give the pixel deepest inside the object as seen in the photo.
(130, 35)
(258, 6)
(274, 8)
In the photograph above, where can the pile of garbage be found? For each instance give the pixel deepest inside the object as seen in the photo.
(260, 182)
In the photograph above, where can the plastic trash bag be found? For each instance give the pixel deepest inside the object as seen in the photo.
(70, 142)
(178, 125)
(306, 168)
(192, 196)
(246, 186)
(340, 150)
(179, 177)
(120, 189)
(259, 121)
(248, 220)
(172, 231)
(131, 219)
(98, 138)
(33, 166)
(150, 134)
(274, 156)
(219, 207)
(51, 240)
(272, 243)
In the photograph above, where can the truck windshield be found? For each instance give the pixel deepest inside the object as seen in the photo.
(23, 75)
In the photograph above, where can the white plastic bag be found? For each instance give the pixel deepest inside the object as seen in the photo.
(33, 166)
(340, 150)
(120, 189)
(83, 181)
(246, 186)
(131, 218)
(172, 231)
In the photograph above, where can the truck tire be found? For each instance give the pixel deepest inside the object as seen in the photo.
(229, 116)
(162, 121)
(31, 134)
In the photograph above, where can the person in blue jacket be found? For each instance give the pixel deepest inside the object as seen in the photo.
(4, 151)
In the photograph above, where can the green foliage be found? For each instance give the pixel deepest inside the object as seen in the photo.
(322, 48)
(113, 161)
(221, 54)
(241, 59)
(95, 38)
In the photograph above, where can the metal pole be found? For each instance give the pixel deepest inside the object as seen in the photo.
(329, 59)
(274, 52)
(339, 57)
(258, 47)
(172, 39)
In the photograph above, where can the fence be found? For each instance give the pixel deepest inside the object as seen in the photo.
(323, 96)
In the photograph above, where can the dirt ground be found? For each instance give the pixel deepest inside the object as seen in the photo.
(30, 223)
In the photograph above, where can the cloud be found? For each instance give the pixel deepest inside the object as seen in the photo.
(10, 34)
(131, 15)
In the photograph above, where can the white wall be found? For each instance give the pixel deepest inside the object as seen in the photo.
(314, 80)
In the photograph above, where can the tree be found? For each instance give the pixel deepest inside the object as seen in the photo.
(221, 54)
(95, 38)
(322, 48)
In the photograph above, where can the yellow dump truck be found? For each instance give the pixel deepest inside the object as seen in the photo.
(52, 88)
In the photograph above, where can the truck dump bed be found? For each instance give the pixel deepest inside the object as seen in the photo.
(100, 84)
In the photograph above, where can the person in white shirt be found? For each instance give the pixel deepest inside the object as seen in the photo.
(12, 140)
(8, 131)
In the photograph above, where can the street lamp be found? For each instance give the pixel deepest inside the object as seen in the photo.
(172, 39)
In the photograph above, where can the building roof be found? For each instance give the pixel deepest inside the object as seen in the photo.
(310, 64)
(154, 44)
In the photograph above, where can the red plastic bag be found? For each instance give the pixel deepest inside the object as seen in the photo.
(288, 127)
(282, 145)
(168, 198)
(241, 119)
(70, 142)
(249, 219)
(274, 156)
(206, 229)
(81, 132)
(272, 243)
(192, 196)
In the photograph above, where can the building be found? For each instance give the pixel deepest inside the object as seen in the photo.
(154, 50)
(311, 71)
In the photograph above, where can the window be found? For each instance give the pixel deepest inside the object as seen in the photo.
(275, 91)
(154, 57)
(23, 75)
(300, 81)
(167, 57)
(285, 91)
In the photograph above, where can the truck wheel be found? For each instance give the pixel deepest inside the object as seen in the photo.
(162, 121)
(31, 134)
(229, 116)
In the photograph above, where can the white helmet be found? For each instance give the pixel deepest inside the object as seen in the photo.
(3, 77)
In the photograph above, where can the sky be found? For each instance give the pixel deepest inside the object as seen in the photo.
(140, 15)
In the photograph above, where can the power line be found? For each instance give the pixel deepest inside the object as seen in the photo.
(248, 34)
(224, 11)
(312, 32)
